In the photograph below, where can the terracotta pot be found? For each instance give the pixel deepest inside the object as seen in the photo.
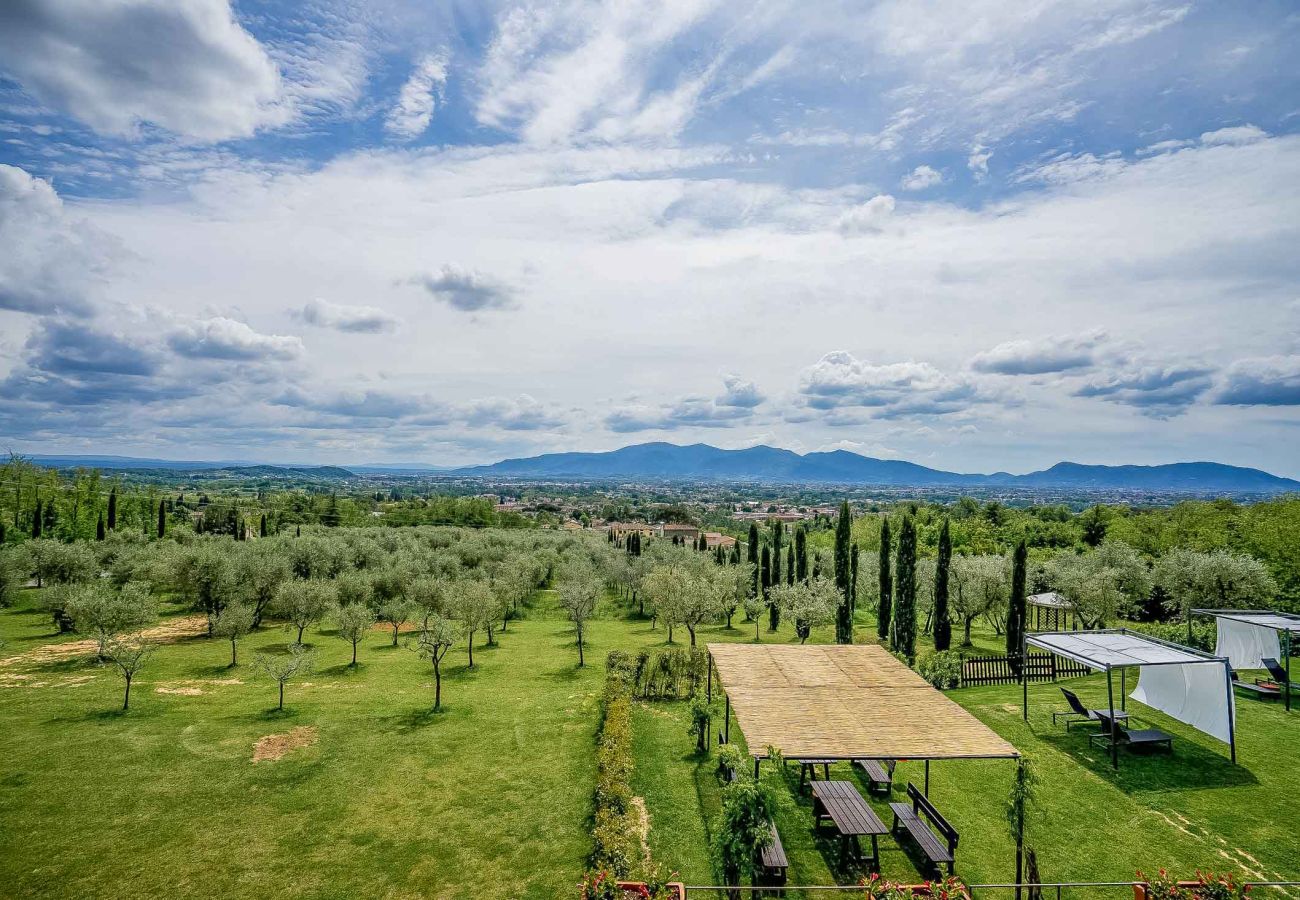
(638, 889)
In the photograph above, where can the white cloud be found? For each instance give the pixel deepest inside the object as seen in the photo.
(361, 319)
(921, 178)
(1233, 137)
(1267, 381)
(978, 162)
(1039, 356)
(184, 65)
(868, 217)
(467, 290)
(50, 261)
(419, 97)
(840, 380)
(228, 339)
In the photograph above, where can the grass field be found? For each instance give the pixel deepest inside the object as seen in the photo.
(491, 797)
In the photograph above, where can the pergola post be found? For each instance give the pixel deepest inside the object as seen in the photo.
(709, 690)
(1123, 688)
(1287, 662)
(927, 778)
(1110, 701)
(1232, 716)
(1024, 676)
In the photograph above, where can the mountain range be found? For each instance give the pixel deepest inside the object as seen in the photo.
(704, 462)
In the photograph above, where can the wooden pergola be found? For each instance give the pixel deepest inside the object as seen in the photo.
(843, 702)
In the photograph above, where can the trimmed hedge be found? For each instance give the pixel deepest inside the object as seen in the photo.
(616, 844)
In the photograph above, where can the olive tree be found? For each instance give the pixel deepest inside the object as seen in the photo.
(808, 604)
(284, 667)
(579, 590)
(395, 613)
(436, 638)
(232, 624)
(304, 603)
(129, 655)
(353, 620)
(98, 610)
(978, 584)
(475, 606)
(1102, 583)
(1215, 580)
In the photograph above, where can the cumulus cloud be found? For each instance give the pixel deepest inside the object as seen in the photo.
(1265, 381)
(49, 261)
(418, 99)
(357, 319)
(360, 403)
(739, 392)
(921, 178)
(1233, 137)
(522, 413)
(978, 162)
(228, 339)
(840, 380)
(1039, 356)
(61, 347)
(184, 65)
(1155, 390)
(467, 290)
(868, 217)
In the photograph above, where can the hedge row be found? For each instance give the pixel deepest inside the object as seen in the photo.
(672, 674)
(616, 843)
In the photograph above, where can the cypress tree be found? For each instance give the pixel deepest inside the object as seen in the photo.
(36, 520)
(262, 529)
(904, 625)
(99, 528)
(789, 564)
(112, 510)
(50, 518)
(886, 583)
(801, 553)
(1016, 610)
(773, 611)
(752, 546)
(853, 577)
(162, 519)
(942, 617)
(776, 551)
(843, 575)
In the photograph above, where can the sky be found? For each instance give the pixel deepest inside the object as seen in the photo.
(973, 234)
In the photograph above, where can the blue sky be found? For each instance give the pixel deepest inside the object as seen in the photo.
(977, 235)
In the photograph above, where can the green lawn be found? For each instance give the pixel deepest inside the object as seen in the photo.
(491, 798)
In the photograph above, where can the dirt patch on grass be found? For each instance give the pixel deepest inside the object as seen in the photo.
(168, 632)
(183, 691)
(192, 687)
(641, 816)
(274, 746)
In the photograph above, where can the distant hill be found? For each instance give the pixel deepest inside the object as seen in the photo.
(322, 472)
(703, 462)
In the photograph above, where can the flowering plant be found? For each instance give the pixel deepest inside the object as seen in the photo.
(1212, 886)
(600, 885)
(878, 888)
(1163, 887)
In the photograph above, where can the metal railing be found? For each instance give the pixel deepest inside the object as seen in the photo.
(1060, 890)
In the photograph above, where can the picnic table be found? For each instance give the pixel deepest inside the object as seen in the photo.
(808, 769)
(840, 802)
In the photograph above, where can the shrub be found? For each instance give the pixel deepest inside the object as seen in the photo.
(941, 669)
(614, 835)
(1204, 632)
(731, 760)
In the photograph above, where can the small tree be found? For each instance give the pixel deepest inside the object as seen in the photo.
(1016, 611)
(744, 826)
(579, 590)
(129, 655)
(942, 616)
(475, 608)
(809, 605)
(1019, 800)
(702, 713)
(283, 668)
(754, 605)
(397, 612)
(232, 623)
(353, 621)
(98, 610)
(437, 637)
(304, 603)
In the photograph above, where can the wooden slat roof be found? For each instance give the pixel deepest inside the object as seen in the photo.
(845, 702)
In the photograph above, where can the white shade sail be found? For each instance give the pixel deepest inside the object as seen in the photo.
(1246, 641)
(1186, 684)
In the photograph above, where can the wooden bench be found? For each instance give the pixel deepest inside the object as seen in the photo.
(808, 769)
(880, 774)
(938, 839)
(846, 809)
(772, 861)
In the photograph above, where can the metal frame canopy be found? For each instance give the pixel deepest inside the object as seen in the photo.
(1285, 624)
(844, 701)
(1119, 648)
(1056, 607)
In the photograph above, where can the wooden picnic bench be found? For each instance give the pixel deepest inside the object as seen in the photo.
(772, 861)
(808, 769)
(842, 804)
(880, 774)
(937, 839)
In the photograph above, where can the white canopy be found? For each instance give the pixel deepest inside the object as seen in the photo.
(1181, 682)
(1246, 637)
(1049, 600)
